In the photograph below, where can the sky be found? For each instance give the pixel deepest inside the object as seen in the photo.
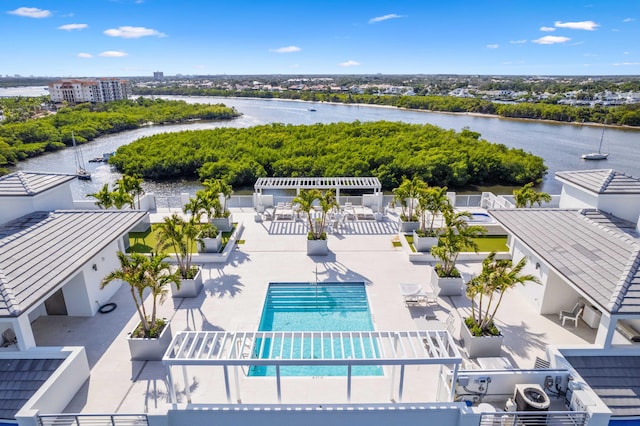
(94, 38)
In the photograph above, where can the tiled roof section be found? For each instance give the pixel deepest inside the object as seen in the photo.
(30, 183)
(603, 263)
(615, 379)
(20, 379)
(610, 221)
(603, 181)
(39, 258)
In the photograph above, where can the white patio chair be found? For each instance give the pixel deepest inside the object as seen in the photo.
(414, 294)
(572, 315)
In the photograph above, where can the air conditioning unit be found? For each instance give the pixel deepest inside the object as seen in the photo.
(531, 397)
(580, 400)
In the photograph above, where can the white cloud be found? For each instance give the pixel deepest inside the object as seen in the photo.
(384, 18)
(551, 40)
(70, 27)
(31, 12)
(286, 49)
(294, 66)
(133, 32)
(518, 41)
(493, 46)
(583, 25)
(84, 55)
(349, 63)
(628, 20)
(547, 29)
(626, 64)
(113, 54)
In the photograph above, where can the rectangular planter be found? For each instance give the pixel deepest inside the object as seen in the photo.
(445, 286)
(224, 224)
(424, 244)
(188, 287)
(211, 245)
(409, 226)
(317, 248)
(483, 346)
(145, 349)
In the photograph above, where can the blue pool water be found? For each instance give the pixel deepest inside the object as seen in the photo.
(311, 307)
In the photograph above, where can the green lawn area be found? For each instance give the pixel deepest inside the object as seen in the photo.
(488, 243)
(145, 242)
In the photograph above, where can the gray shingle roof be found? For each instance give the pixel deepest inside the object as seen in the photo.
(602, 262)
(30, 183)
(20, 379)
(604, 181)
(39, 258)
(615, 379)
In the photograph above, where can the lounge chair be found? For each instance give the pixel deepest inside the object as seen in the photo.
(572, 315)
(414, 294)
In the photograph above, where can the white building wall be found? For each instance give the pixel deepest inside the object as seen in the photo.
(76, 298)
(574, 198)
(105, 262)
(19, 207)
(558, 295)
(624, 206)
(531, 291)
(58, 198)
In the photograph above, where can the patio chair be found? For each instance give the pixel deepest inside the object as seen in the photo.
(414, 294)
(572, 315)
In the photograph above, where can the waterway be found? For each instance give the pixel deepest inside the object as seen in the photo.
(560, 145)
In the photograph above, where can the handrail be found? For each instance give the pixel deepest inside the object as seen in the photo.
(534, 418)
(75, 419)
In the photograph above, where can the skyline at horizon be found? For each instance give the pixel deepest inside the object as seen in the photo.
(128, 38)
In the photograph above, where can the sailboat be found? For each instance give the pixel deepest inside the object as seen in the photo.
(597, 155)
(81, 172)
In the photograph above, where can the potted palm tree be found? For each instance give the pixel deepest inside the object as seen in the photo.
(209, 239)
(180, 237)
(316, 237)
(432, 200)
(150, 339)
(481, 336)
(527, 197)
(456, 236)
(407, 196)
(215, 195)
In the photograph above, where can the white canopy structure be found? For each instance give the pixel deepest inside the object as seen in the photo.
(308, 348)
(366, 183)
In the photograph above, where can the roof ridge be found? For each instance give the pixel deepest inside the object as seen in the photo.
(7, 295)
(622, 286)
(607, 180)
(22, 177)
(626, 238)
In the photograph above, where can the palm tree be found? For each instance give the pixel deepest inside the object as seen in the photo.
(142, 273)
(213, 188)
(131, 184)
(179, 235)
(435, 201)
(406, 195)
(305, 199)
(497, 276)
(327, 203)
(527, 197)
(457, 235)
(121, 198)
(104, 198)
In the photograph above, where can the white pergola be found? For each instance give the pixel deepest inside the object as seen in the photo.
(309, 348)
(366, 183)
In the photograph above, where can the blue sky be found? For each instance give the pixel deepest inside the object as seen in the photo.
(137, 37)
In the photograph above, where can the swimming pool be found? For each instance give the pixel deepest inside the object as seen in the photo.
(481, 217)
(311, 307)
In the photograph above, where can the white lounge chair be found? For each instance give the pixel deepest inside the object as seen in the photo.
(572, 315)
(414, 294)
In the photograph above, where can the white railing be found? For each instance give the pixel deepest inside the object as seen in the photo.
(534, 418)
(92, 420)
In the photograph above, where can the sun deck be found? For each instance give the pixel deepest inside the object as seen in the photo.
(233, 298)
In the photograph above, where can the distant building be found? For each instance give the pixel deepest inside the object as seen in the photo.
(158, 76)
(98, 90)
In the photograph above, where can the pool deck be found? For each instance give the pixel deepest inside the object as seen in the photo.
(232, 300)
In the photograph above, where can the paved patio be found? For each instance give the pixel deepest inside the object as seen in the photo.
(232, 300)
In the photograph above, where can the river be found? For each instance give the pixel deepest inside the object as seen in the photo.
(560, 145)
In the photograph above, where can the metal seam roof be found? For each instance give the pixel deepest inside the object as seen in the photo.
(601, 181)
(318, 182)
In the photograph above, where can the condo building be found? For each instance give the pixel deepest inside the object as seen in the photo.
(97, 90)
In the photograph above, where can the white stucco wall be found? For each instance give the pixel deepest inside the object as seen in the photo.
(559, 295)
(57, 198)
(76, 298)
(531, 291)
(106, 261)
(574, 198)
(14, 207)
(623, 206)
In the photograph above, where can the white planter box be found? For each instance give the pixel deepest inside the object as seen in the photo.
(211, 245)
(424, 244)
(409, 226)
(188, 287)
(145, 349)
(484, 346)
(446, 286)
(224, 224)
(317, 248)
